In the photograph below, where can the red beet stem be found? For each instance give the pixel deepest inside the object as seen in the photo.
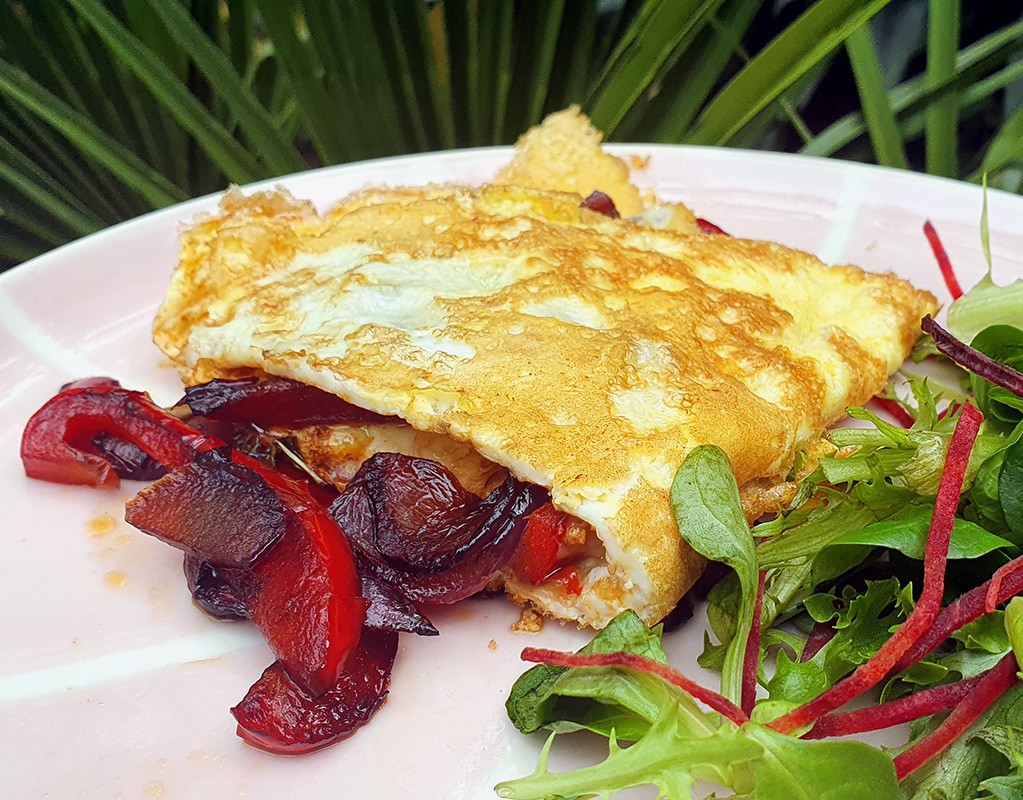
(706, 696)
(944, 262)
(905, 709)
(751, 659)
(994, 591)
(929, 604)
(821, 634)
(989, 688)
(894, 410)
(965, 609)
(975, 361)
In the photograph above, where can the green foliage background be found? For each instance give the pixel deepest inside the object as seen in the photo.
(110, 109)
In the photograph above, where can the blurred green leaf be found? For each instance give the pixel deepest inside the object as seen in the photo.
(942, 127)
(884, 133)
(108, 109)
(790, 56)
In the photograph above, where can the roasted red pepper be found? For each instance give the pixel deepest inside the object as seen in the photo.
(568, 577)
(537, 557)
(307, 601)
(57, 443)
(296, 573)
(277, 716)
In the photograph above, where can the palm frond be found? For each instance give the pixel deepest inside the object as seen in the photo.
(108, 109)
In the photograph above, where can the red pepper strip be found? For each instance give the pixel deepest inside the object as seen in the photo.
(965, 609)
(928, 606)
(568, 577)
(706, 696)
(537, 554)
(308, 604)
(896, 712)
(751, 659)
(894, 410)
(991, 686)
(54, 446)
(944, 262)
(709, 227)
(975, 361)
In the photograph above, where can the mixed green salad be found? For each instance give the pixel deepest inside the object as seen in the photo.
(895, 575)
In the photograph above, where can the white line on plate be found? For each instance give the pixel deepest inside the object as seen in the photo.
(41, 344)
(127, 663)
(855, 186)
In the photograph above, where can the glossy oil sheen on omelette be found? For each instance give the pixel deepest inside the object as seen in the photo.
(586, 354)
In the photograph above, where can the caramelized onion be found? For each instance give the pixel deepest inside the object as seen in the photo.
(215, 510)
(413, 526)
(390, 610)
(272, 402)
(217, 591)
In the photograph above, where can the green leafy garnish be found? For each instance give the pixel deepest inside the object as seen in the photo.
(705, 499)
(553, 697)
(681, 744)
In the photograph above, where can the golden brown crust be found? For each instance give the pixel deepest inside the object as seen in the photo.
(586, 354)
(563, 153)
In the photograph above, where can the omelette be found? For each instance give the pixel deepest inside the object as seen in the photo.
(511, 330)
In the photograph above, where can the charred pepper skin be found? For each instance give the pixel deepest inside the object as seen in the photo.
(305, 593)
(56, 445)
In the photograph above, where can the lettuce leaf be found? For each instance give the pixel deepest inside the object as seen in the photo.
(565, 699)
(959, 772)
(751, 760)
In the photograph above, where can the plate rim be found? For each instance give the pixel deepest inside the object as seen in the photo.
(195, 205)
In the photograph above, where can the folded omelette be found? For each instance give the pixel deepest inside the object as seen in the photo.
(512, 330)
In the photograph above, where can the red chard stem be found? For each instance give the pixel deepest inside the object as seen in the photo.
(821, 634)
(967, 608)
(989, 688)
(928, 606)
(751, 659)
(905, 709)
(894, 410)
(944, 262)
(975, 361)
(706, 696)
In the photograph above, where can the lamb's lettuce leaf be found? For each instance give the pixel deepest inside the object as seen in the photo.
(564, 699)
(1014, 628)
(705, 499)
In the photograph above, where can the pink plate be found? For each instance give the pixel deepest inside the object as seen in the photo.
(112, 685)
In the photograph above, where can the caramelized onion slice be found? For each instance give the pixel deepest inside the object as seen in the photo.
(277, 716)
(220, 512)
(272, 402)
(413, 526)
(217, 591)
(390, 610)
